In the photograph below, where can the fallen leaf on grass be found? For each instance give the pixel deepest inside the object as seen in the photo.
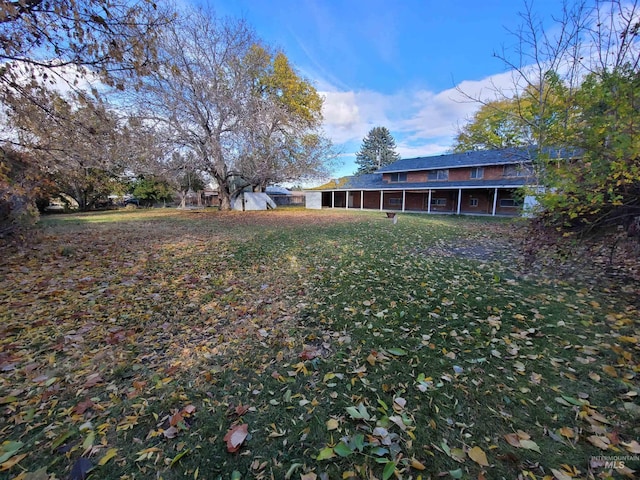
(559, 475)
(512, 439)
(235, 437)
(567, 432)
(389, 469)
(477, 455)
(631, 447)
(359, 412)
(342, 449)
(93, 380)
(332, 424)
(12, 462)
(170, 432)
(458, 454)
(8, 449)
(521, 439)
(455, 473)
(325, 454)
(40, 474)
(83, 407)
(112, 452)
(600, 442)
(175, 419)
(530, 445)
(177, 458)
(398, 352)
(241, 410)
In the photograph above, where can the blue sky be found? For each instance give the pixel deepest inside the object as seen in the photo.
(396, 64)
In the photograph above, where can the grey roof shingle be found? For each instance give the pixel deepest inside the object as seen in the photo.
(477, 158)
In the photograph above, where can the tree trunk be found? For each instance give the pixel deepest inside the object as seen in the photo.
(225, 199)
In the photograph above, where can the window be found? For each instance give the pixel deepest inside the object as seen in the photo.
(473, 202)
(477, 172)
(439, 202)
(507, 202)
(438, 175)
(518, 171)
(395, 201)
(399, 177)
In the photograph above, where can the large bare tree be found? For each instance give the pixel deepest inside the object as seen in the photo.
(243, 111)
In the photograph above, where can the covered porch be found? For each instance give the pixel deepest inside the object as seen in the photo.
(460, 201)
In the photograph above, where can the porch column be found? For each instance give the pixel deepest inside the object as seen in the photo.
(429, 202)
(404, 199)
(361, 199)
(346, 199)
(333, 199)
(381, 200)
(495, 202)
(459, 200)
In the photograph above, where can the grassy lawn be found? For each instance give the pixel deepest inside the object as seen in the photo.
(308, 345)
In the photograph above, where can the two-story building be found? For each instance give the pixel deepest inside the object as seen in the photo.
(470, 183)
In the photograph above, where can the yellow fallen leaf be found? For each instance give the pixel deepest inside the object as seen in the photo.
(594, 376)
(609, 370)
(417, 465)
(567, 432)
(112, 452)
(477, 455)
(626, 339)
(332, 424)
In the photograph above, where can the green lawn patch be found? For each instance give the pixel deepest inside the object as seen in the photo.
(308, 345)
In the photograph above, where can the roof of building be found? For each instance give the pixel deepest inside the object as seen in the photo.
(277, 190)
(334, 183)
(476, 158)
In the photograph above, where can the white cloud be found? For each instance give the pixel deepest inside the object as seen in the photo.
(423, 150)
(422, 122)
(340, 110)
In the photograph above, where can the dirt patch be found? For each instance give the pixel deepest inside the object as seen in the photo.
(610, 260)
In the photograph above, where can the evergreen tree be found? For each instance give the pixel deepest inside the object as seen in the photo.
(378, 149)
